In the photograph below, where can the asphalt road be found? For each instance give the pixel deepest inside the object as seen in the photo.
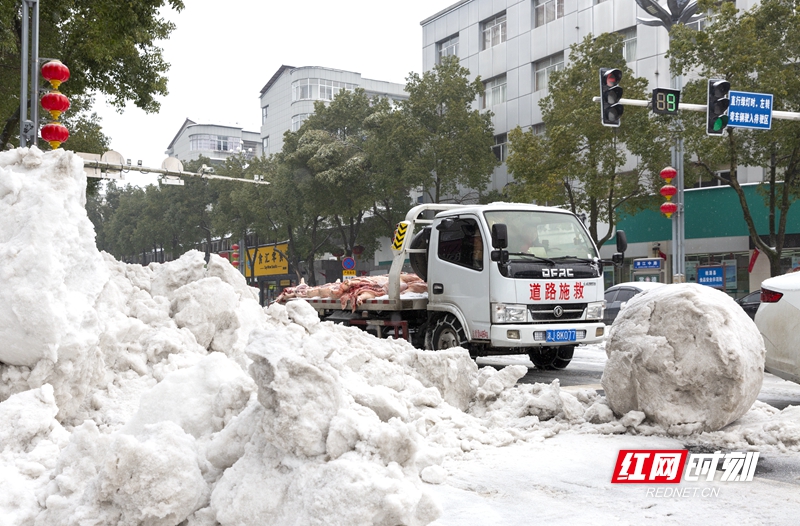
(586, 369)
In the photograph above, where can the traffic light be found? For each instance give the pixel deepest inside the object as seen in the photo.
(610, 95)
(666, 101)
(717, 106)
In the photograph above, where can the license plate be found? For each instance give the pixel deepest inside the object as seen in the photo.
(562, 335)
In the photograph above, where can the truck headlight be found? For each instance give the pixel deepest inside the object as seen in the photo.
(594, 311)
(509, 313)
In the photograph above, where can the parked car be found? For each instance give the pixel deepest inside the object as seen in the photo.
(620, 294)
(750, 303)
(778, 320)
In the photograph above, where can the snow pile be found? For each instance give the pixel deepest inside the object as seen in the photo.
(166, 395)
(686, 356)
(48, 325)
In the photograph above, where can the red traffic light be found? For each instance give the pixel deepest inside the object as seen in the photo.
(612, 77)
(610, 95)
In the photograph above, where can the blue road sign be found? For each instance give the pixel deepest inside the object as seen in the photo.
(654, 263)
(348, 263)
(713, 276)
(750, 110)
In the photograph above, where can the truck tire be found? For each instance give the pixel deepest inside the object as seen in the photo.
(551, 358)
(448, 333)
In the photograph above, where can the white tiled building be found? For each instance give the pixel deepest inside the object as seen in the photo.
(215, 141)
(288, 98)
(515, 44)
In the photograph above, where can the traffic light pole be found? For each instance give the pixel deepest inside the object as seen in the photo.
(785, 115)
(678, 223)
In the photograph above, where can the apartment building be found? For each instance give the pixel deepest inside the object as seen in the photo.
(288, 98)
(215, 141)
(515, 45)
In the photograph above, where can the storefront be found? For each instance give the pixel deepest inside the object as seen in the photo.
(716, 237)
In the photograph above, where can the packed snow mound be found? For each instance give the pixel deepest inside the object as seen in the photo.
(158, 406)
(72, 317)
(686, 356)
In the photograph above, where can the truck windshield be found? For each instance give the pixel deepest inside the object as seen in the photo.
(548, 235)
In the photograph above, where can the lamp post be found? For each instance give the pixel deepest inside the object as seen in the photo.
(29, 63)
(679, 12)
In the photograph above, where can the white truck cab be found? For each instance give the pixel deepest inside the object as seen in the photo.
(509, 278)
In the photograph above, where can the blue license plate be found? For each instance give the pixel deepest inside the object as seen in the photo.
(561, 335)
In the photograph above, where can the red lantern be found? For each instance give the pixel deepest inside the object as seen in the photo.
(358, 250)
(55, 133)
(55, 102)
(55, 72)
(668, 209)
(668, 191)
(668, 174)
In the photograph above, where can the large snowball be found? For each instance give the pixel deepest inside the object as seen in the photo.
(687, 356)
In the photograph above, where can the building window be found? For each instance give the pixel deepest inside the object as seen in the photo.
(629, 44)
(216, 143)
(318, 89)
(264, 113)
(494, 31)
(500, 147)
(544, 68)
(495, 92)
(448, 47)
(298, 121)
(547, 10)
(265, 144)
(701, 23)
(538, 129)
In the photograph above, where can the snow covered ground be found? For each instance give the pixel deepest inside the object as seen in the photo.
(164, 395)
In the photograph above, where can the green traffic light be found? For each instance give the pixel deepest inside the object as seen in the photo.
(720, 123)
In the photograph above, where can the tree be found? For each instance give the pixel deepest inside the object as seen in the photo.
(85, 134)
(449, 143)
(337, 147)
(109, 47)
(240, 209)
(578, 162)
(295, 207)
(756, 51)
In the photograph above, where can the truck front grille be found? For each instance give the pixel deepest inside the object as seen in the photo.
(547, 312)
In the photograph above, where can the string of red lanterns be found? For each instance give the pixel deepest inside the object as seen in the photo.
(235, 255)
(55, 103)
(668, 174)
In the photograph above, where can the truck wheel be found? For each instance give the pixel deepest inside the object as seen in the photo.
(550, 358)
(448, 333)
(563, 357)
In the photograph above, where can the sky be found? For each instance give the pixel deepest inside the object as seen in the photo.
(166, 395)
(222, 55)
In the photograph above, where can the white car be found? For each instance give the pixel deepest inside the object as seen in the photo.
(778, 320)
(618, 296)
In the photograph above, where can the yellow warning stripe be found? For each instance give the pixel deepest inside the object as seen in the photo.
(400, 236)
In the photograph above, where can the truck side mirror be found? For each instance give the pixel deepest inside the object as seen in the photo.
(499, 243)
(622, 245)
(499, 235)
(622, 241)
